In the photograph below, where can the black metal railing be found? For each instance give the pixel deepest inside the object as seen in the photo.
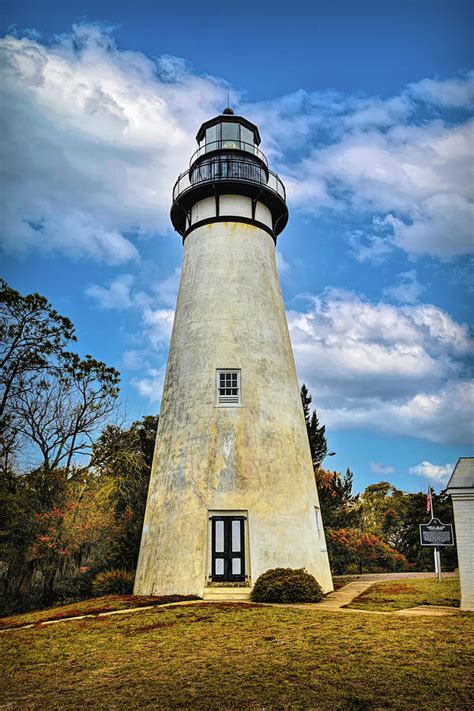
(228, 168)
(226, 144)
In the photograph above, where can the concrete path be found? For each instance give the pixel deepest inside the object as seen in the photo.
(339, 598)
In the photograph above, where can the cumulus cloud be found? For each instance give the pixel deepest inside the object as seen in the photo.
(434, 472)
(151, 386)
(451, 93)
(95, 138)
(398, 369)
(117, 296)
(417, 180)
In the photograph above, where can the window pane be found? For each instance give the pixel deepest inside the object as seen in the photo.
(230, 131)
(219, 566)
(247, 136)
(236, 566)
(211, 136)
(236, 536)
(219, 537)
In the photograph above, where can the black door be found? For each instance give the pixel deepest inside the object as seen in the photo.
(228, 546)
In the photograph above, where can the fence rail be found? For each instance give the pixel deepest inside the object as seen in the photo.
(224, 168)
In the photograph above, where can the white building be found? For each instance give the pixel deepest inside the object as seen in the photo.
(232, 492)
(461, 489)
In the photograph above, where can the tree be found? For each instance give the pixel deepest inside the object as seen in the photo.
(124, 457)
(340, 508)
(394, 516)
(60, 412)
(352, 551)
(52, 404)
(316, 432)
(32, 338)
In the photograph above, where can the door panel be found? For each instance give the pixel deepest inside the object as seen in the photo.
(228, 546)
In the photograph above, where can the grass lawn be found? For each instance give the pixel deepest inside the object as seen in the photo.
(410, 592)
(87, 607)
(240, 656)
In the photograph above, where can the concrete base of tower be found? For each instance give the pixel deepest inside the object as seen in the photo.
(270, 540)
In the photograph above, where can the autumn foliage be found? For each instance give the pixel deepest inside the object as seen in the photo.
(352, 551)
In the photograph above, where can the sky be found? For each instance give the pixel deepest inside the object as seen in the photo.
(365, 111)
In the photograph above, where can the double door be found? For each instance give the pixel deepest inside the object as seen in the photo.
(228, 548)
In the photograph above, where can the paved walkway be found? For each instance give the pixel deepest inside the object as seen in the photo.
(334, 602)
(339, 598)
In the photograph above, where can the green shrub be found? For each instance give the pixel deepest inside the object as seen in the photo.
(286, 585)
(113, 582)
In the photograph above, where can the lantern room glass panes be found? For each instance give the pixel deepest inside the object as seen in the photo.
(212, 136)
(246, 136)
(229, 135)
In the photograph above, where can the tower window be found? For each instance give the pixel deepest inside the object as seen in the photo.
(228, 387)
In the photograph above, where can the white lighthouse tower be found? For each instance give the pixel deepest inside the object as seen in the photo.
(232, 490)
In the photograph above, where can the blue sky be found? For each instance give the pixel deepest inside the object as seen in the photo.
(365, 110)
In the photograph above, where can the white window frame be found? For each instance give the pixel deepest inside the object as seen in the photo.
(320, 530)
(228, 400)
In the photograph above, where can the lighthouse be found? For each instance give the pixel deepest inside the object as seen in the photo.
(232, 490)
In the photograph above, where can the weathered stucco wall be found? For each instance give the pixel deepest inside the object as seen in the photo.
(252, 458)
(463, 508)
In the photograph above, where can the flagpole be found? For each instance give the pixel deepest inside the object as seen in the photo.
(429, 506)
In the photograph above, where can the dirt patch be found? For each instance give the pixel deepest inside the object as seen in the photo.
(397, 588)
(154, 626)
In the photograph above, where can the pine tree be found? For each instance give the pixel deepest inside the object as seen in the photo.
(317, 440)
(316, 433)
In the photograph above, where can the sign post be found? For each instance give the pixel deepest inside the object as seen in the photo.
(436, 535)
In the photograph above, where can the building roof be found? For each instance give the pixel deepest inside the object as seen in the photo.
(463, 474)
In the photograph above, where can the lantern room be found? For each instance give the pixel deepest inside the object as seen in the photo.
(228, 132)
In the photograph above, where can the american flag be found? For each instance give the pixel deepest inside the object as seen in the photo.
(428, 501)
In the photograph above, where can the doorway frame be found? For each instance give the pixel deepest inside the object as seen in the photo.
(245, 577)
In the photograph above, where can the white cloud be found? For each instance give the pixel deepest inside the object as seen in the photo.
(416, 179)
(398, 369)
(444, 415)
(158, 324)
(117, 296)
(151, 386)
(407, 290)
(282, 264)
(437, 473)
(382, 469)
(456, 93)
(96, 137)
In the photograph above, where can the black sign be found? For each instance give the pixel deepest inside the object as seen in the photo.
(436, 533)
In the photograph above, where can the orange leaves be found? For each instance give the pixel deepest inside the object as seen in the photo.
(350, 546)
